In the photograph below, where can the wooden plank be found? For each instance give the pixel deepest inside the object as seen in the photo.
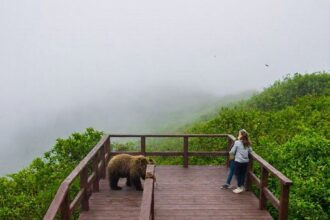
(230, 140)
(63, 189)
(65, 208)
(170, 135)
(284, 202)
(103, 170)
(143, 145)
(95, 173)
(270, 197)
(249, 175)
(180, 193)
(174, 153)
(195, 193)
(208, 153)
(263, 184)
(84, 185)
(283, 179)
(254, 179)
(185, 152)
(146, 200)
(76, 200)
(57, 201)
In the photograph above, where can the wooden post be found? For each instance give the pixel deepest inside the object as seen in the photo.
(96, 161)
(263, 184)
(110, 149)
(248, 177)
(284, 202)
(83, 185)
(143, 145)
(65, 207)
(229, 145)
(185, 151)
(107, 149)
(104, 162)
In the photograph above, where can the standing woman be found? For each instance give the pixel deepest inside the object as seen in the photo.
(241, 150)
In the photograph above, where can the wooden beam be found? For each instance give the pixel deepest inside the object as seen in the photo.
(185, 152)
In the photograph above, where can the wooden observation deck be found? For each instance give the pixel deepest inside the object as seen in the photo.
(176, 192)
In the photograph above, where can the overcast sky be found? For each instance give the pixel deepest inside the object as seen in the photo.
(55, 55)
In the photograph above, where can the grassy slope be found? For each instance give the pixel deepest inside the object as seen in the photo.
(289, 124)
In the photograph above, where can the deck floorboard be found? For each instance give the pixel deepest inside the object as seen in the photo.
(180, 193)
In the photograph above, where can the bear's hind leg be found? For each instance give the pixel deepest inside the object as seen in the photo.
(137, 183)
(128, 181)
(114, 183)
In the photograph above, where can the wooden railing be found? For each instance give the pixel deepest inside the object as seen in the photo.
(185, 153)
(281, 204)
(101, 153)
(98, 156)
(147, 204)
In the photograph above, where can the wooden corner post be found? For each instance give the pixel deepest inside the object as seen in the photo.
(185, 152)
(263, 185)
(95, 163)
(107, 150)
(284, 202)
(104, 161)
(248, 174)
(143, 145)
(229, 145)
(83, 185)
(65, 208)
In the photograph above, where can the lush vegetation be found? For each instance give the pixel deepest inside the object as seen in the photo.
(28, 193)
(288, 122)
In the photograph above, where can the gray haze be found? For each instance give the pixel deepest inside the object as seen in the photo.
(122, 66)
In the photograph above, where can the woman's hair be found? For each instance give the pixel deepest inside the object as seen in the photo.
(245, 138)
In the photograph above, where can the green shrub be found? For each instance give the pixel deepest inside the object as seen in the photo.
(28, 193)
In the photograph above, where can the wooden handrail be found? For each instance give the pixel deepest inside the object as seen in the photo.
(99, 156)
(147, 204)
(101, 153)
(184, 153)
(61, 199)
(271, 169)
(168, 135)
(281, 204)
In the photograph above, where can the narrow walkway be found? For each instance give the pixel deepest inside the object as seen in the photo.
(180, 194)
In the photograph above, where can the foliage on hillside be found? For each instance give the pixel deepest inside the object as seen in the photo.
(28, 193)
(289, 124)
(284, 93)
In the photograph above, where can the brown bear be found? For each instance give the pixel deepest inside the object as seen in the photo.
(127, 166)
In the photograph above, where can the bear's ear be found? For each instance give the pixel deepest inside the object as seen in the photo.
(143, 161)
(151, 161)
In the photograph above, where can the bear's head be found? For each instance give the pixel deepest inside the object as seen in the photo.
(142, 163)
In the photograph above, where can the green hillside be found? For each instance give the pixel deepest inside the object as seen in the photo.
(289, 124)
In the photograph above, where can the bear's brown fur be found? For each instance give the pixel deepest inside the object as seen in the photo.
(127, 166)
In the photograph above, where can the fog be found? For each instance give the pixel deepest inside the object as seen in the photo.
(130, 66)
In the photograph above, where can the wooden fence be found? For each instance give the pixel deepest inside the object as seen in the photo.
(147, 204)
(98, 156)
(265, 194)
(101, 153)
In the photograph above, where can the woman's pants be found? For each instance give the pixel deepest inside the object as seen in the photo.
(241, 169)
(231, 172)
